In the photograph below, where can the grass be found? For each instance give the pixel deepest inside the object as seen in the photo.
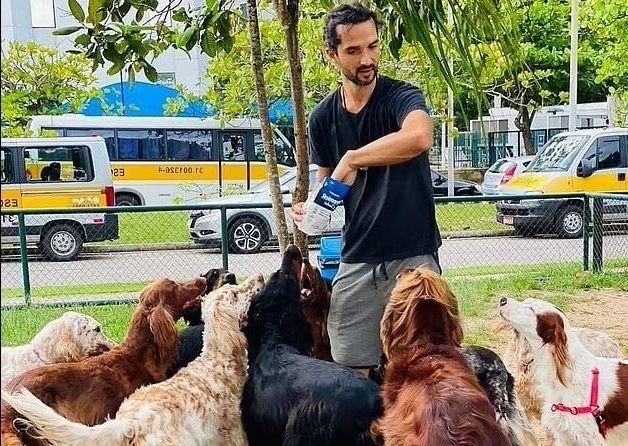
(148, 228)
(476, 298)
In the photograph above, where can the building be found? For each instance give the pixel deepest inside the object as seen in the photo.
(26, 20)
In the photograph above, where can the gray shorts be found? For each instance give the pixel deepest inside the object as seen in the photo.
(360, 292)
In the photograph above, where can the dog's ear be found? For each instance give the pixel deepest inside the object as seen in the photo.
(66, 348)
(164, 330)
(551, 329)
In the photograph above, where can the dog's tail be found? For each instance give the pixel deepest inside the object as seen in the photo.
(43, 422)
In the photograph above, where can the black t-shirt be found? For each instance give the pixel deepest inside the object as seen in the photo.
(389, 211)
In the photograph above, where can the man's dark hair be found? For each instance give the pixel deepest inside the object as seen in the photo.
(346, 14)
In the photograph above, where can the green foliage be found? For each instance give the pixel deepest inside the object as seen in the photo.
(41, 80)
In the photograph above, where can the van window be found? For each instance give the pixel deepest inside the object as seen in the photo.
(106, 134)
(7, 167)
(58, 164)
(604, 154)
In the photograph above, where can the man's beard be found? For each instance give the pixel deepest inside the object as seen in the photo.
(355, 77)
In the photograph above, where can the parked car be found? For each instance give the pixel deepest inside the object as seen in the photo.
(440, 183)
(249, 229)
(502, 171)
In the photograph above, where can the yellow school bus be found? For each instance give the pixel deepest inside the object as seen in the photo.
(175, 160)
(57, 173)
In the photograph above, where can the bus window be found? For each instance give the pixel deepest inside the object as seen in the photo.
(232, 147)
(141, 144)
(108, 136)
(7, 167)
(284, 152)
(193, 145)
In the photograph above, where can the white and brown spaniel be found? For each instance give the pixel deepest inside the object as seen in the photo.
(585, 398)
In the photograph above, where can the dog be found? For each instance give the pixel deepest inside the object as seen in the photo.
(315, 300)
(199, 405)
(518, 357)
(431, 396)
(88, 391)
(488, 367)
(216, 277)
(293, 399)
(584, 398)
(190, 338)
(69, 338)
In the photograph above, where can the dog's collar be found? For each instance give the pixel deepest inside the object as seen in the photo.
(593, 408)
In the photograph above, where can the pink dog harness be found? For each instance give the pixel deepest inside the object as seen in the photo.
(592, 408)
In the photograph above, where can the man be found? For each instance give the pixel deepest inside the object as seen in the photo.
(374, 134)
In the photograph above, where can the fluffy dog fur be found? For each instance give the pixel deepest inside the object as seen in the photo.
(199, 405)
(563, 370)
(291, 399)
(431, 396)
(190, 338)
(69, 338)
(315, 300)
(487, 365)
(518, 358)
(89, 391)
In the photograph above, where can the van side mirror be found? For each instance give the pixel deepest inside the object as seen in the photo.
(584, 169)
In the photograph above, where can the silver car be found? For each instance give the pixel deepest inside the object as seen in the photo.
(502, 171)
(249, 229)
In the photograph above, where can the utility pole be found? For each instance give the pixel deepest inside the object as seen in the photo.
(450, 125)
(573, 68)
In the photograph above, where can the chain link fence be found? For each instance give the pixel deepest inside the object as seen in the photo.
(538, 235)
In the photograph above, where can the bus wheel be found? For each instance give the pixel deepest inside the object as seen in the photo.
(127, 200)
(246, 235)
(61, 242)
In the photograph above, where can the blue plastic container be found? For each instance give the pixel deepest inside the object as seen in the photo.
(329, 257)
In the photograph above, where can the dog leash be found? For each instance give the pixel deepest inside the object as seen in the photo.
(593, 408)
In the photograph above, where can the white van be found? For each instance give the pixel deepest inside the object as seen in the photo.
(57, 173)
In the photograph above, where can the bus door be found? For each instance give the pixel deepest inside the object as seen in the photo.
(233, 171)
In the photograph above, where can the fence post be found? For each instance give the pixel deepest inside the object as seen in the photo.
(585, 233)
(26, 279)
(598, 216)
(224, 242)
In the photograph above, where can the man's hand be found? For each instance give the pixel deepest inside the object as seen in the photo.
(297, 212)
(345, 171)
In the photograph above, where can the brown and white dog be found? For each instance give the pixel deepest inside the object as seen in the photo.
(585, 398)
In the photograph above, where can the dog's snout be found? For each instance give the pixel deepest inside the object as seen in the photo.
(231, 278)
(503, 301)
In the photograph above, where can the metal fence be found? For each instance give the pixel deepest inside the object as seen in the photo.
(482, 237)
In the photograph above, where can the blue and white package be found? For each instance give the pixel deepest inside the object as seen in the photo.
(323, 200)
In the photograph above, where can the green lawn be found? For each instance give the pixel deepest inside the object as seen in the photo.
(476, 296)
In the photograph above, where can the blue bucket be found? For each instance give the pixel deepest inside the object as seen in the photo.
(329, 257)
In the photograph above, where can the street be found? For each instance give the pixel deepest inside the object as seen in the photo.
(107, 268)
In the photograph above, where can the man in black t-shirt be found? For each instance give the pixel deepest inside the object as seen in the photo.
(374, 134)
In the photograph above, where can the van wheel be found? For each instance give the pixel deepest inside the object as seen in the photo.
(61, 243)
(246, 235)
(127, 200)
(569, 222)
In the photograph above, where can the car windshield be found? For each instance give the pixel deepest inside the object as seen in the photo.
(283, 179)
(558, 153)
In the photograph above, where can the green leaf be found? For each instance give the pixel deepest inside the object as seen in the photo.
(150, 72)
(131, 73)
(185, 36)
(94, 11)
(66, 31)
(76, 10)
(82, 40)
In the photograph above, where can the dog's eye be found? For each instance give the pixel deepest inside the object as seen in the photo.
(97, 329)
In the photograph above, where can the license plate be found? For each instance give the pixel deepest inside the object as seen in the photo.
(508, 219)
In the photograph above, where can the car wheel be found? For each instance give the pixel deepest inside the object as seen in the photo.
(61, 243)
(127, 200)
(569, 222)
(246, 235)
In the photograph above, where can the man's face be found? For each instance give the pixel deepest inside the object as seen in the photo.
(357, 55)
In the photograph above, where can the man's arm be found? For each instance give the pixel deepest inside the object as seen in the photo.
(414, 138)
(321, 173)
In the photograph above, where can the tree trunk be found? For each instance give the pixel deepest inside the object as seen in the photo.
(523, 121)
(288, 12)
(267, 131)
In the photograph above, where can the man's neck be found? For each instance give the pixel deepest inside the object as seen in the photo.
(355, 96)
